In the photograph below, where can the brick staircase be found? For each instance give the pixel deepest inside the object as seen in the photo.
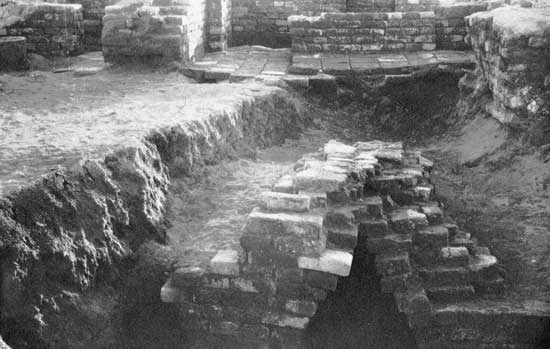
(343, 202)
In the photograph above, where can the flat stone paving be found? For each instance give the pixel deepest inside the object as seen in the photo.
(248, 62)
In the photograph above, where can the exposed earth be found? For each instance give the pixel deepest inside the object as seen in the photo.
(491, 183)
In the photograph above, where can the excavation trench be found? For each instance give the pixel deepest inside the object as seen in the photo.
(200, 184)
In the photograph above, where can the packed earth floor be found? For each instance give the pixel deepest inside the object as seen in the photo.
(499, 194)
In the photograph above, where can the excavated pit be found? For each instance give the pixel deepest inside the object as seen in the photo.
(201, 182)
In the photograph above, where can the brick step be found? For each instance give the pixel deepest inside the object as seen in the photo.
(342, 238)
(404, 221)
(451, 293)
(494, 285)
(274, 201)
(393, 263)
(454, 256)
(445, 276)
(390, 243)
(432, 238)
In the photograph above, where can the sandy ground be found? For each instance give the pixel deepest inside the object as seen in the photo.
(49, 119)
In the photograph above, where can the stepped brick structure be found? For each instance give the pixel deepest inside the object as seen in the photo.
(344, 202)
(49, 29)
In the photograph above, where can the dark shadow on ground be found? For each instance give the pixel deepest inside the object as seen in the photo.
(358, 315)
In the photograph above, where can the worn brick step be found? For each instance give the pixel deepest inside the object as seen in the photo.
(434, 214)
(388, 284)
(451, 293)
(454, 256)
(390, 243)
(342, 238)
(404, 221)
(493, 285)
(285, 184)
(393, 263)
(303, 225)
(319, 180)
(445, 276)
(317, 200)
(331, 261)
(274, 201)
(373, 228)
(431, 238)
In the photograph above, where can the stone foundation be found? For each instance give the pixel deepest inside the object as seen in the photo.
(512, 50)
(363, 32)
(50, 29)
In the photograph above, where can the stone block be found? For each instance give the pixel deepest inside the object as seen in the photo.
(284, 185)
(434, 214)
(373, 229)
(269, 224)
(225, 262)
(451, 293)
(317, 200)
(455, 256)
(388, 284)
(390, 243)
(406, 220)
(276, 201)
(343, 238)
(285, 320)
(331, 261)
(301, 307)
(337, 149)
(431, 238)
(444, 276)
(319, 180)
(321, 280)
(393, 263)
(189, 276)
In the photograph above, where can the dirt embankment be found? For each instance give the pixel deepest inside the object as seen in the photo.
(68, 241)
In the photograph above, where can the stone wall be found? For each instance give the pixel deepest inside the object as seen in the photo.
(371, 5)
(512, 47)
(264, 22)
(450, 26)
(218, 24)
(154, 30)
(363, 32)
(415, 5)
(93, 12)
(50, 29)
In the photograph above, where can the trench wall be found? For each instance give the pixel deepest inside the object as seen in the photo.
(73, 227)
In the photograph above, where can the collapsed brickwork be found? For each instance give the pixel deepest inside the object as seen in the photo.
(49, 29)
(512, 51)
(344, 202)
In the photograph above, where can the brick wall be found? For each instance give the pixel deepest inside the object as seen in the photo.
(450, 26)
(50, 29)
(363, 32)
(371, 5)
(416, 5)
(264, 22)
(93, 12)
(169, 30)
(218, 24)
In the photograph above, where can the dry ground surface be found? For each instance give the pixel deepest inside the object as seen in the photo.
(49, 119)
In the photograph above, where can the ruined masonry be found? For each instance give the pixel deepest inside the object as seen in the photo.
(343, 202)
